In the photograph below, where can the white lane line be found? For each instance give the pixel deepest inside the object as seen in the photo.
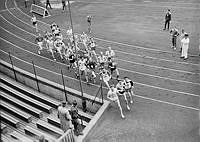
(182, 81)
(179, 92)
(7, 9)
(155, 100)
(115, 50)
(119, 43)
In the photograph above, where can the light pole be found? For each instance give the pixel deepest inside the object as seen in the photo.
(80, 82)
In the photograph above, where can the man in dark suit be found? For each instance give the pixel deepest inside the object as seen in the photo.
(48, 4)
(167, 19)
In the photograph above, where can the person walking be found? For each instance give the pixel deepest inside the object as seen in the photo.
(167, 19)
(89, 21)
(25, 3)
(185, 45)
(64, 116)
(48, 4)
(174, 32)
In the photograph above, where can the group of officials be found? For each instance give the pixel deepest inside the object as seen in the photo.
(183, 37)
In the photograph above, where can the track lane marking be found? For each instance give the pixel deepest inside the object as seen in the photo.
(151, 99)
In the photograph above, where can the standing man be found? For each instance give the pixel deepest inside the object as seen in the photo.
(64, 116)
(174, 32)
(75, 118)
(185, 42)
(167, 19)
(48, 4)
(64, 4)
(89, 21)
(113, 96)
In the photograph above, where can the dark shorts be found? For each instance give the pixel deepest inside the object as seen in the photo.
(122, 92)
(34, 23)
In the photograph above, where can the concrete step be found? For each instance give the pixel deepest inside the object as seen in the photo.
(20, 137)
(15, 111)
(28, 108)
(25, 98)
(29, 91)
(9, 119)
(43, 125)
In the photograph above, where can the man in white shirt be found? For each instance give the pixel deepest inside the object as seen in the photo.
(185, 45)
(113, 96)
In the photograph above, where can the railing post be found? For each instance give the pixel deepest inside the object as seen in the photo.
(101, 92)
(36, 76)
(64, 86)
(12, 67)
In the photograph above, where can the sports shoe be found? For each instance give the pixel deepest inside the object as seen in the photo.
(128, 107)
(122, 116)
(131, 101)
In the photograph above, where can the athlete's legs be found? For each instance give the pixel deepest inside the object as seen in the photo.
(120, 108)
(124, 94)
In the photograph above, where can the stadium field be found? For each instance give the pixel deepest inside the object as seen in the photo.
(167, 88)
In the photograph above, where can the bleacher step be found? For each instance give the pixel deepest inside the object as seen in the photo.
(32, 131)
(9, 119)
(20, 137)
(35, 112)
(29, 92)
(17, 112)
(3, 128)
(50, 128)
(26, 99)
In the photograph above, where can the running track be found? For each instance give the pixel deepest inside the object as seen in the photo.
(158, 78)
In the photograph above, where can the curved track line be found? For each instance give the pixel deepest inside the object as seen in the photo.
(126, 52)
(182, 81)
(155, 100)
(190, 94)
(115, 41)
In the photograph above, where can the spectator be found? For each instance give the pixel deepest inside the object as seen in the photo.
(185, 42)
(89, 21)
(167, 19)
(75, 118)
(64, 116)
(34, 22)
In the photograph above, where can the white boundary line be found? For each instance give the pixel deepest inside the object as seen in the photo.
(114, 41)
(190, 94)
(155, 100)
(166, 78)
(115, 50)
(7, 9)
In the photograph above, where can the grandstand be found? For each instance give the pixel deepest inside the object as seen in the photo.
(166, 93)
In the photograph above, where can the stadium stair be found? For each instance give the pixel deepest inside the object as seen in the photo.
(9, 119)
(15, 111)
(29, 114)
(3, 128)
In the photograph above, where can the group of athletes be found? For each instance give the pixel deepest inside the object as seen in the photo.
(86, 60)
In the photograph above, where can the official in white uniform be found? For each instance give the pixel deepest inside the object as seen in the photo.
(185, 45)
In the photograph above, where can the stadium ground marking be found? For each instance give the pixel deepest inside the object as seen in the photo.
(105, 48)
(116, 43)
(136, 46)
(7, 9)
(182, 81)
(155, 100)
(185, 93)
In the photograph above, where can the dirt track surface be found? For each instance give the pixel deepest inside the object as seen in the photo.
(167, 88)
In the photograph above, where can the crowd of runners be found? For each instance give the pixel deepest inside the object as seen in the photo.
(78, 51)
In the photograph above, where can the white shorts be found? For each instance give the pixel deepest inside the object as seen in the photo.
(40, 44)
(106, 79)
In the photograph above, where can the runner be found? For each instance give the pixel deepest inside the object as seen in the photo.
(34, 22)
(128, 86)
(120, 87)
(91, 65)
(112, 95)
(50, 47)
(39, 40)
(113, 67)
(110, 54)
(82, 68)
(102, 60)
(105, 76)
